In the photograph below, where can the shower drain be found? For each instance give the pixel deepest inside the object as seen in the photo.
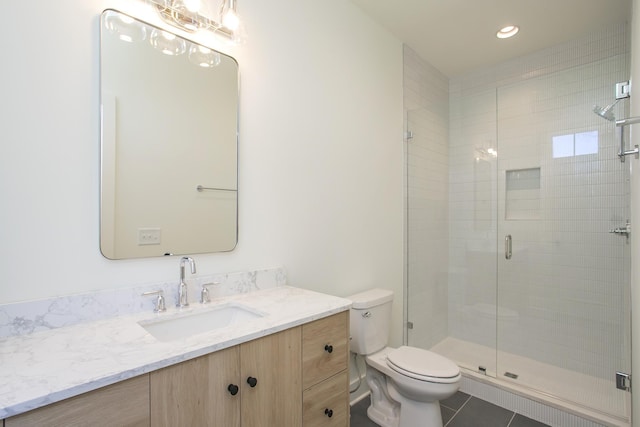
(511, 375)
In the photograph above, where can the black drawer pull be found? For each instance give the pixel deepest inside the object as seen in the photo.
(328, 348)
(328, 412)
(233, 389)
(252, 381)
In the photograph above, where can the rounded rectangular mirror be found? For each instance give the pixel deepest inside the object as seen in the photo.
(169, 124)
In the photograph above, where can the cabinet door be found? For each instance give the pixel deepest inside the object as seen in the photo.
(122, 404)
(325, 345)
(196, 392)
(275, 363)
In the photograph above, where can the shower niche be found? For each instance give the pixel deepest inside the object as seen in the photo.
(522, 194)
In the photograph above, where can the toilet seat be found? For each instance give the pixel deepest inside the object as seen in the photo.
(423, 365)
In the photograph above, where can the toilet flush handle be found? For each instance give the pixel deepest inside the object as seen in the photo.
(366, 314)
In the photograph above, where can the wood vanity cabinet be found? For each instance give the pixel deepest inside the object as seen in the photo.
(122, 404)
(254, 384)
(325, 377)
(297, 377)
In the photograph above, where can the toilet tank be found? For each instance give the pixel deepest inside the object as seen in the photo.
(370, 320)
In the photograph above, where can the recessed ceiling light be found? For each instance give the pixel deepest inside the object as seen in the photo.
(508, 31)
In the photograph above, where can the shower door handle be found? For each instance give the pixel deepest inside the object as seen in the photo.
(507, 246)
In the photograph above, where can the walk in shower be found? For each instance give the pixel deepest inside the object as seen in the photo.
(513, 188)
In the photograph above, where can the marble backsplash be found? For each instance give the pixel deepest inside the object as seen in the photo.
(31, 316)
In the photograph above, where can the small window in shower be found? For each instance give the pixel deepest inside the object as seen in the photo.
(575, 144)
(523, 194)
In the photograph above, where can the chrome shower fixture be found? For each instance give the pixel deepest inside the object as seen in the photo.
(623, 90)
(606, 112)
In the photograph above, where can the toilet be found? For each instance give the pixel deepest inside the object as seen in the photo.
(406, 383)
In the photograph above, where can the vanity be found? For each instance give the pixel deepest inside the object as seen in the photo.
(288, 367)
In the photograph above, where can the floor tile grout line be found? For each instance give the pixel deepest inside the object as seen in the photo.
(458, 411)
(513, 415)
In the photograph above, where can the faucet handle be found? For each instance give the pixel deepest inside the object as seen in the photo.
(204, 295)
(160, 305)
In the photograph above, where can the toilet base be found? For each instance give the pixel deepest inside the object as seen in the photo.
(383, 410)
(414, 413)
(414, 408)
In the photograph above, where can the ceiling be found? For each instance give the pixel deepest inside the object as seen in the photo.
(457, 36)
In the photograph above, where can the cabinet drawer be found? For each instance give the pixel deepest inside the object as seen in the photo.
(325, 348)
(330, 397)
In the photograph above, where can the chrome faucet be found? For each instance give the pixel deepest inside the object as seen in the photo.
(183, 300)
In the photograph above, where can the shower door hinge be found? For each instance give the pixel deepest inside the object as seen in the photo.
(623, 381)
(623, 90)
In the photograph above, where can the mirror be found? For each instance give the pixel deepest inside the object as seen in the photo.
(169, 124)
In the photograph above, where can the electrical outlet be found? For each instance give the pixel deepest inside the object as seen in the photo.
(149, 236)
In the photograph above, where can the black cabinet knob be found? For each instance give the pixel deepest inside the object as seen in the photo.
(233, 389)
(328, 348)
(328, 412)
(252, 381)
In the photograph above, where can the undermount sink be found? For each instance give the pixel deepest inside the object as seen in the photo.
(184, 325)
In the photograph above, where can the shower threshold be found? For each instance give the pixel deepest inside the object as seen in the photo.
(588, 397)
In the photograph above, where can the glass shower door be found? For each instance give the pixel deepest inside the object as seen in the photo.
(563, 315)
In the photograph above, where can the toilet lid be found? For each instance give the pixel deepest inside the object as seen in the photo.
(421, 364)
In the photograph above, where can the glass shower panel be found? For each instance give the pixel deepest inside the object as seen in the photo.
(563, 281)
(427, 230)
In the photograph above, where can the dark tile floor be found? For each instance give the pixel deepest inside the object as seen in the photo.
(460, 410)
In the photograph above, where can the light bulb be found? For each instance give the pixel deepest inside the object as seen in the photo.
(230, 19)
(508, 31)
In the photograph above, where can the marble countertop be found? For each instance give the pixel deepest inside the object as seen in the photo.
(45, 367)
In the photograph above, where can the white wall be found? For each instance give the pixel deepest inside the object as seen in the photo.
(321, 160)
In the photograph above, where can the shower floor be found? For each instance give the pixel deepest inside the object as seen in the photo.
(558, 387)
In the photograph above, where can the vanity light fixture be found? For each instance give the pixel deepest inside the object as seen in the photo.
(508, 31)
(131, 30)
(189, 15)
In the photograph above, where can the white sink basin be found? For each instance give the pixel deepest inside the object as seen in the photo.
(184, 325)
